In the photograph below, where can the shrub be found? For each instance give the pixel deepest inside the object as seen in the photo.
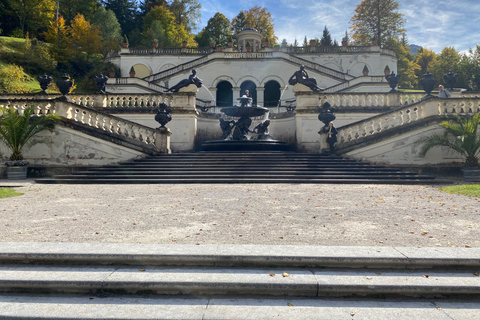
(12, 79)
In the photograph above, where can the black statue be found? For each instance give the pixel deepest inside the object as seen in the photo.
(301, 76)
(262, 131)
(226, 127)
(392, 80)
(192, 79)
(326, 115)
(163, 115)
(428, 83)
(64, 85)
(450, 80)
(242, 128)
(44, 83)
(101, 81)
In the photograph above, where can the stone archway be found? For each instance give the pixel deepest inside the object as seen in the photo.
(251, 87)
(272, 93)
(224, 94)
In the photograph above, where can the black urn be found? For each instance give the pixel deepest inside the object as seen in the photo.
(44, 82)
(326, 115)
(428, 82)
(64, 85)
(163, 115)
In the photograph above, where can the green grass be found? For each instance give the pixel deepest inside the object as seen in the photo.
(471, 190)
(11, 44)
(8, 192)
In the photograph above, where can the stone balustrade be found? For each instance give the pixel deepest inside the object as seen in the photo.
(406, 115)
(136, 133)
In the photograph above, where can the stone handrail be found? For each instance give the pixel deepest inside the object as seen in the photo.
(318, 67)
(407, 115)
(172, 71)
(352, 82)
(166, 51)
(374, 99)
(338, 49)
(142, 136)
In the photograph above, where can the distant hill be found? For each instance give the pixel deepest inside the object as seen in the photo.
(414, 48)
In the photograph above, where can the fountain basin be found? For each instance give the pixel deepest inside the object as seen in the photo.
(244, 111)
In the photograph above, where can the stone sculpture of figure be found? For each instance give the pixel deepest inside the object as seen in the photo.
(100, 81)
(226, 127)
(262, 130)
(242, 128)
(450, 80)
(301, 76)
(392, 80)
(192, 79)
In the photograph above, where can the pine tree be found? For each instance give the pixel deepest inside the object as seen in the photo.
(326, 39)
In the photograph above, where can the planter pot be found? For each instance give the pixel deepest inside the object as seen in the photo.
(184, 44)
(154, 44)
(344, 43)
(276, 48)
(125, 45)
(471, 174)
(16, 173)
(132, 74)
(249, 49)
(230, 44)
(111, 74)
(365, 73)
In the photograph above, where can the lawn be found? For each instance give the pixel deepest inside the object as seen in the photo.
(471, 190)
(8, 192)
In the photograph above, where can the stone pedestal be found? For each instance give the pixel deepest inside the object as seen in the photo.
(162, 140)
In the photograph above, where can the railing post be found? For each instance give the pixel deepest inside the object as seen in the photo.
(162, 140)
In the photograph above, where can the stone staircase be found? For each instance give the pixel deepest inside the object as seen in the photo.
(127, 281)
(241, 167)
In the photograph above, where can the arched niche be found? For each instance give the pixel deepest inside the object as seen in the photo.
(141, 70)
(224, 94)
(271, 94)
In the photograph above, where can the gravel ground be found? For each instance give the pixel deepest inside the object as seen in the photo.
(279, 214)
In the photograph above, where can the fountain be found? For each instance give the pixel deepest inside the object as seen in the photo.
(236, 134)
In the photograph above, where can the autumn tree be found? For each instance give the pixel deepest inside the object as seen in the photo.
(58, 37)
(258, 18)
(33, 16)
(376, 20)
(186, 13)
(217, 30)
(446, 61)
(159, 25)
(85, 37)
(406, 66)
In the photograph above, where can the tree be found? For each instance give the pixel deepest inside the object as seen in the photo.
(85, 37)
(447, 60)
(125, 11)
(257, 18)
(460, 136)
(32, 15)
(58, 37)
(187, 13)
(217, 30)
(109, 26)
(326, 39)
(159, 24)
(406, 66)
(17, 129)
(376, 20)
(70, 8)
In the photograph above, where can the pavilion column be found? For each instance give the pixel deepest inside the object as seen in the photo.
(260, 96)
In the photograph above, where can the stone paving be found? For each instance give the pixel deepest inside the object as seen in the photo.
(279, 214)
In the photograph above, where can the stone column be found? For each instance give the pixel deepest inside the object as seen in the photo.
(306, 119)
(236, 93)
(162, 140)
(260, 96)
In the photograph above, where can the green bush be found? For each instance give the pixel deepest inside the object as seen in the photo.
(12, 79)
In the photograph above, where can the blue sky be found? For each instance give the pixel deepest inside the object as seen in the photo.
(430, 24)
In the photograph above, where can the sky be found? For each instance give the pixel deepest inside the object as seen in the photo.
(431, 24)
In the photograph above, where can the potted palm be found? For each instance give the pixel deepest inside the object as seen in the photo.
(16, 131)
(460, 137)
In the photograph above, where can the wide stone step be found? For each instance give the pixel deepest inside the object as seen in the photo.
(198, 308)
(300, 282)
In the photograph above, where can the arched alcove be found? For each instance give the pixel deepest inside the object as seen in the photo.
(271, 95)
(252, 89)
(224, 94)
(141, 70)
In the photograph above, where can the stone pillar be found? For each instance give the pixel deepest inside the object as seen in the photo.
(236, 93)
(260, 96)
(162, 140)
(306, 120)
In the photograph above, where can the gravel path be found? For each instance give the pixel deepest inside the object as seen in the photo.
(279, 214)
